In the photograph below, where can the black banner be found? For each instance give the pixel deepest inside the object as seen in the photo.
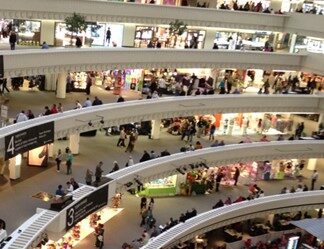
(28, 139)
(86, 206)
(1, 66)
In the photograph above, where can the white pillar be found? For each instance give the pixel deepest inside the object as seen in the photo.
(15, 167)
(128, 35)
(47, 32)
(258, 77)
(275, 4)
(61, 86)
(320, 120)
(311, 165)
(156, 128)
(210, 37)
(292, 43)
(50, 82)
(74, 143)
(51, 150)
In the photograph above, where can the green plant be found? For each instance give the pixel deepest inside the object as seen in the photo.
(75, 24)
(177, 28)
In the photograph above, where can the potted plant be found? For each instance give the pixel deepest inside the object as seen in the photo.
(177, 28)
(75, 24)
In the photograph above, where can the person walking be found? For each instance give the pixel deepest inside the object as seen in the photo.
(212, 132)
(98, 172)
(12, 40)
(58, 160)
(88, 177)
(236, 175)
(314, 178)
(131, 143)
(122, 138)
(218, 180)
(69, 160)
(3, 82)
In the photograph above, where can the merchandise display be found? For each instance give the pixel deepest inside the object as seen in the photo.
(83, 229)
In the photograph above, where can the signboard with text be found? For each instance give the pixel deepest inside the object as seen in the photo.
(86, 206)
(28, 139)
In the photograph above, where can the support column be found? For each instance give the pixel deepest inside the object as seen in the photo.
(156, 129)
(74, 143)
(61, 86)
(210, 37)
(50, 82)
(311, 165)
(258, 77)
(47, 32)
(15, 167)
(292, 43)
(128, 35)
(320, 123)
(276, 5)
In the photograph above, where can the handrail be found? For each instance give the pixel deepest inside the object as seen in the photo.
(216, 156)
(236, 212)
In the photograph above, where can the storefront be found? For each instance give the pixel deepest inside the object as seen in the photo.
(146, 34)
(95, 35)
(28, 32)
(250, 40)
(310, 44)
(250, 123)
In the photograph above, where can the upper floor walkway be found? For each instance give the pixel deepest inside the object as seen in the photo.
(105, 11)
(52, 61)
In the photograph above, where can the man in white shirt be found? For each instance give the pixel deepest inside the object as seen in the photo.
(78, 105)
(69, 188)
(87, 103)
(314, 179)
(21, 117)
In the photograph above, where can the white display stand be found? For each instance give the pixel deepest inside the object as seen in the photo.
(14, 167)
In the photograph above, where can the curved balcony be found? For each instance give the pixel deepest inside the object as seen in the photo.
(105, 11)
(167, 166)
(237, 212)
(35, 62)
(115, 114)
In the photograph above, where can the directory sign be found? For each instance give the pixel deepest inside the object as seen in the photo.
(86, 206)
(28, 139)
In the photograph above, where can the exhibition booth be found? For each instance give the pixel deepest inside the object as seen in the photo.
(95, 35)
(82, 229)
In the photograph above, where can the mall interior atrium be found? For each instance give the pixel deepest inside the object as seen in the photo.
(162, 124)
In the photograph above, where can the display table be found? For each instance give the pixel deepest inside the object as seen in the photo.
(152, 192)
(3, 234)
